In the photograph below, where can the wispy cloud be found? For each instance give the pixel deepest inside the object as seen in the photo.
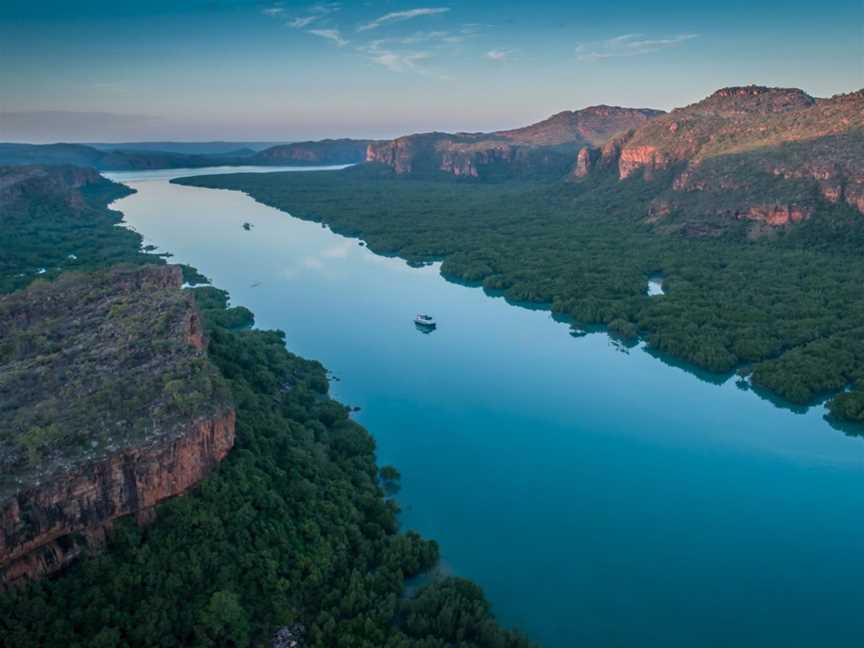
(399, 16)
(628, 45)
(498, 55)
(433, 38)
(412, 52)
(401, 62)
(387, 53)
(313, 14)
(329, 34)
(303, 21)
(405, 52)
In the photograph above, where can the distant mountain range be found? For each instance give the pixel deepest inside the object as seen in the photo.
(112, 160)
(766, 155)
(325, 152)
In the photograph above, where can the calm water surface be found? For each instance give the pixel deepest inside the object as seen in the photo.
(600, 496)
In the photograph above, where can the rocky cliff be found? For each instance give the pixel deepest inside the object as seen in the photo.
(45, 527)
(110, 406)
(771, 155)
(21, 185)
(546, 148)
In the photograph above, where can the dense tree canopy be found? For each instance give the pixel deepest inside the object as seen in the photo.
(294, 526)
(785, 304)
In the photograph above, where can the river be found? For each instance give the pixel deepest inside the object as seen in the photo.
(600, 496)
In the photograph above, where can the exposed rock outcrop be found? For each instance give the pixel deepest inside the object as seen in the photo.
(400, 153)
(44, 528)
(751, 153)
(646, 158)
(545, 148)
(110, 406)
(777, 214)
(63, 184)
(586, 160)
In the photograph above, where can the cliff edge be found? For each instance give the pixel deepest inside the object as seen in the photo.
(767, 156)
(544, 149)
(109, 406)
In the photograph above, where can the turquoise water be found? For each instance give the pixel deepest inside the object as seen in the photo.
(601, 496)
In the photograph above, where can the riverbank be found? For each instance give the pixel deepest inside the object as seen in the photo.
(557, 451)
(293, 527)
(588, 253)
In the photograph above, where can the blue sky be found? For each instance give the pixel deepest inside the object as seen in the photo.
(206, 69)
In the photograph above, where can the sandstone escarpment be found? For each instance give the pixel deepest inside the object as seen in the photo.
(59, 184)
(546, 148)
(45, 527)
(770, 155)
(586, 160)
(647, 158)
(401, 153)
(110, 406)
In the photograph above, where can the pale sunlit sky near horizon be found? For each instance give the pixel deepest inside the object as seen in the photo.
(208, 69)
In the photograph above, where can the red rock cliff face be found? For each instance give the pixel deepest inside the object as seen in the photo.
(647, 158)
(544, 147)
(149, 414)
(777, 214)
(466, 162)
(399, 154)
(586, 160)
(46, 527)
(194, 331)
(771, 155)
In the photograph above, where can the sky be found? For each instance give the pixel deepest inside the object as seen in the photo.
(285, 70)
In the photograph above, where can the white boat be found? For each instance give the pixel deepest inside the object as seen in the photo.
(425, 320)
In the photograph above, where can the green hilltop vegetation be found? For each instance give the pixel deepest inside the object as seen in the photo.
(295, 526)
(785, 306)
(118, 373)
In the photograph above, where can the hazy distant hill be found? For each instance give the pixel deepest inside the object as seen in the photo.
(547, 148)
(324, 152)
(189, 148)
(113, 160)
(329, 151)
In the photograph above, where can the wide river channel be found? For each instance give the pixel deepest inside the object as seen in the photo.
(600, 495)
